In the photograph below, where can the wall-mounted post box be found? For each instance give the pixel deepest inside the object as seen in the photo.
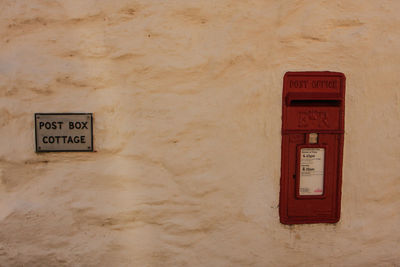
(312, 147)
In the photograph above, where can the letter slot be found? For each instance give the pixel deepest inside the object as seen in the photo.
(312, 147)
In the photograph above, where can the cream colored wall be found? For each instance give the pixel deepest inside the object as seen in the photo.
(186, 97)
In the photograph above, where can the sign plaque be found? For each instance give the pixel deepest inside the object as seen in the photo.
(312, 171)
(63, 132)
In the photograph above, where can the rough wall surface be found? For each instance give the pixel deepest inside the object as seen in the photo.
(186, 97)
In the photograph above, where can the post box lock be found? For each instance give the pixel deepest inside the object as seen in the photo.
(313, 138)
(312, 147)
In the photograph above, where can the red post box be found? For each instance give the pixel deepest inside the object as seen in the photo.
(312, 147)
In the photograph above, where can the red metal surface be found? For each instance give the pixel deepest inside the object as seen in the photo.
(312, 102)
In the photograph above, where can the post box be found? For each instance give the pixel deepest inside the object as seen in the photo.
(312, 147)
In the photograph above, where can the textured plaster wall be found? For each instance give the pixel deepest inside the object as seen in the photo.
(186, 97)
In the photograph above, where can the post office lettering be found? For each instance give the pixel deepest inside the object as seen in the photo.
(324, 84)
(298, 84)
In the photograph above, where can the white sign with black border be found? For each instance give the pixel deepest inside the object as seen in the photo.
(64, 132)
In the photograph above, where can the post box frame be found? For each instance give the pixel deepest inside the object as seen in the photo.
(319, 94)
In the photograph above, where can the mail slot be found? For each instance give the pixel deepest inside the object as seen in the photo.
(312, 147)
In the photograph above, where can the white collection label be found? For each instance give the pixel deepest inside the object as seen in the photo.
(312, 171)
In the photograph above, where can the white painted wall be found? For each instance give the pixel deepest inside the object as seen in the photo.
(186, 97)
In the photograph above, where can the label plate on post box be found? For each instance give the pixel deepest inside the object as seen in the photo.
(311, 171)
(63, 132)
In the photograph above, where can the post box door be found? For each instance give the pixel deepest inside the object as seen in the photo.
(321, 205)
